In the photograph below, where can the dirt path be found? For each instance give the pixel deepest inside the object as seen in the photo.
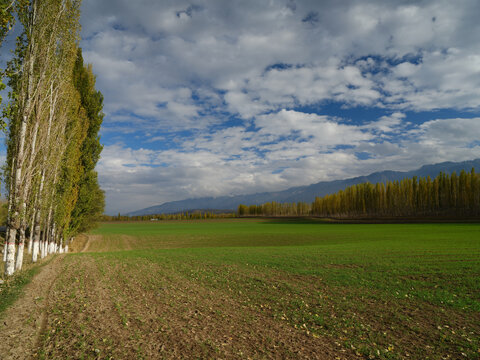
(25, 320)
(87, 244)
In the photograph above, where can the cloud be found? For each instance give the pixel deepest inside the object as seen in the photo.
(237, 161)
(212, 97)
(393, 123)
(152, 48)
(446, 133)
(321, 130)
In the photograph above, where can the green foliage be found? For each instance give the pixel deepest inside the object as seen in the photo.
(92, 103)
(195, 215)
(90, 202)
(7, 20)
(72, 170)
(3, 213)
(54, 116)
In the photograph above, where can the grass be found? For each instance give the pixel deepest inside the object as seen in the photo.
(363, 284)
(389, 291)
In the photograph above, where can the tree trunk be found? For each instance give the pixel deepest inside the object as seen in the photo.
(10, 258)
(43, 241)
(30, 238)
(21, 245)
(51, 244)
(36, 242)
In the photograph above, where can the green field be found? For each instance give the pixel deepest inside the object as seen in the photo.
(269, 288)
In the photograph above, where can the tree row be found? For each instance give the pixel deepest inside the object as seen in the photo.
(446, 195)
(53, 118)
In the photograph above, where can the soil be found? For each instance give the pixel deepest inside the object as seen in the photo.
(115, 315)
(22, 323)
(78, 307)
(98, 306)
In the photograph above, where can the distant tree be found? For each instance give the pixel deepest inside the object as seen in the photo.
(446, 195)
(242, 210)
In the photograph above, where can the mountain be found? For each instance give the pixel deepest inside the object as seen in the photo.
(303, 193)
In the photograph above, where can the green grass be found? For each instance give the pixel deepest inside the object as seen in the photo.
(375, 288)
(251, 232)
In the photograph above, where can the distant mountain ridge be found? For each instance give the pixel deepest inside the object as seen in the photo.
(303, 193)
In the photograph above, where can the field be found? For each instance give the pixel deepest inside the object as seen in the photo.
(249, 288)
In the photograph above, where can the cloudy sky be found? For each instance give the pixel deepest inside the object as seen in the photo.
(214, 97)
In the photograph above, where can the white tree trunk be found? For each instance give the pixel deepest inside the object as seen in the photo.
(14, 221)
(51, 244)
(21, 245)
(30, 238)
(36, 245)
(45, 234)
(44, 248)
(10, 260)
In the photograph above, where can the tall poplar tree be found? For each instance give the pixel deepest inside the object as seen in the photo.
(37, 127)
(7, 20)
(91, 199)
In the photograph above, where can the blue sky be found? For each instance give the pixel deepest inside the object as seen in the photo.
(210, 98)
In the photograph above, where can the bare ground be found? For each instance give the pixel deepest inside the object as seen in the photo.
(110, 312)
(92, 307)
(25, 320)
(78, 308)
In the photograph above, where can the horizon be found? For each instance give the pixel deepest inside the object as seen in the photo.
(207, 99)
(133, 212)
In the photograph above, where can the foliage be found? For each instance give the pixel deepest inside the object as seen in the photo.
(194, 215)
(447, 195)
(3, 213)
(91, 199)
(54, 116)
(7, 20)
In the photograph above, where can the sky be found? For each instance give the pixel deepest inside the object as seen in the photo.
(211, 98)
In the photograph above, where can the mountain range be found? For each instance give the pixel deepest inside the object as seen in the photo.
(302, 193)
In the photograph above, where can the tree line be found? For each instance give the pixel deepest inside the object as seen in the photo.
(447, 195)
(195, 215)
(52, 122)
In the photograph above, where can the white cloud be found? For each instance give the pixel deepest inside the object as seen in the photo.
(223, 85)
(451, 132)
(387, 124)
(323, 131)
(236, 161)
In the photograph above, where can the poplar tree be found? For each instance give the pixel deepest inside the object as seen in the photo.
(447, 195)
(91, 199)
(38, 122)
(7, 20)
